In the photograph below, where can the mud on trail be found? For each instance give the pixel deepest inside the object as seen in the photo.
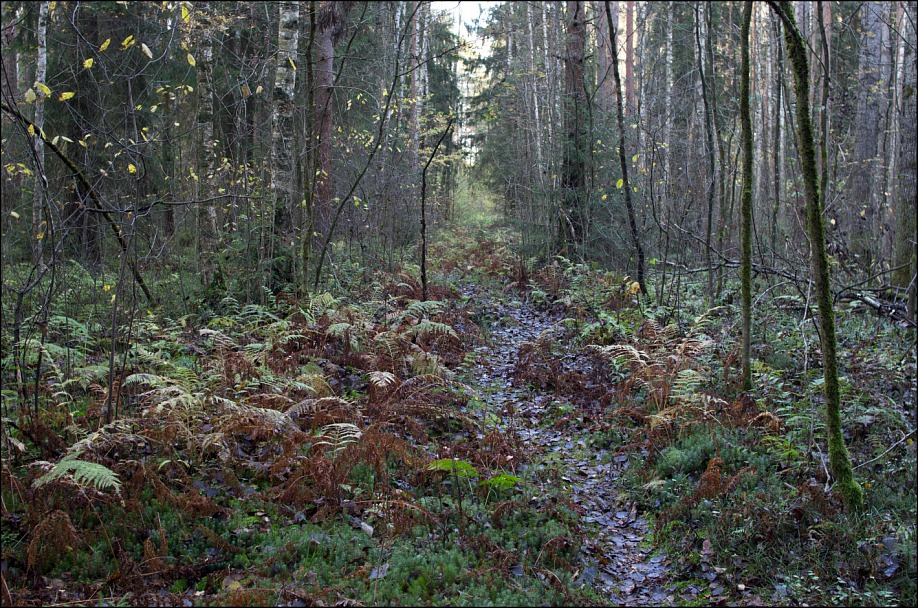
(617, 559)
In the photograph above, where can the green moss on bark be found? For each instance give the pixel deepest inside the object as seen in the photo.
(839, 459)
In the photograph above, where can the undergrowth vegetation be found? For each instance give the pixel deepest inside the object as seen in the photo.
(323, 450)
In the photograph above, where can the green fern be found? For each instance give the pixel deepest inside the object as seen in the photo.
(457, 467)
(83, 472)
(703, 321)
(419, 309)
(685, 384)
(338, 436)
(427, 328)
(220, 339)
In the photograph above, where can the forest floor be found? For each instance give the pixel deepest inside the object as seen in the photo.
(618, 560)
(530, 436)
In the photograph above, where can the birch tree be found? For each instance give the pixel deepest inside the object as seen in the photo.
(283, 112)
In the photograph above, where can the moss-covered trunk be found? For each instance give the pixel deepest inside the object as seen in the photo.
(839, 459)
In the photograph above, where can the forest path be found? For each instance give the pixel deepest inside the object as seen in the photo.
(618, 560)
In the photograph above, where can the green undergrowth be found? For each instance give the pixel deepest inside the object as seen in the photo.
(325, 448)
(736, 485)
(313, 450)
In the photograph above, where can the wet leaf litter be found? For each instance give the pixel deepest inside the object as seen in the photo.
(617, 558)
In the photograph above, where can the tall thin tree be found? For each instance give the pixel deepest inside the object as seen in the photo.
(839, 459)
(622, 157)
(746, 227)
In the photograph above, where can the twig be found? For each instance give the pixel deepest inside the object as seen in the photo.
(887, 451)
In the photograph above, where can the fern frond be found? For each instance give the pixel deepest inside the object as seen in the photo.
(338, 436)
(419, 309)
(50, 354)
(151, 380)
(382, 379)
(337, 330)
(311, 407)
(685, 384)
(625, 352)
(320, 304)
(220, 339)
(703, 321)
(424, 363)
(427, 328)
(229, 305)
(68, 328)
(83, 472)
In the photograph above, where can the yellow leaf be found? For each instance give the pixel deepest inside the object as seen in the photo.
(30, 96)
(292, 65)
(113, 297)
(105, 44)
(146, 50)
(31, 129)
(619, 183)
(43, 88)
(106, 288)
(39, 236)
(14, 214)
(54, 141)
(132, 169)
(245, 91)
(634, 158)
(186, 14)
(66, 95)
(191, 60)
(258, 90)
(128, 42)
(605, 196)
(88, 63)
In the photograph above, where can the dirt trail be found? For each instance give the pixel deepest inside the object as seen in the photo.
(616, 561)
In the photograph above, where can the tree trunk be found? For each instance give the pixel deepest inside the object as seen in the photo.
(38, 189)
(574, 170)
(839, 459)
(632, 221)
(778, 133)
(906, 274)
(709, 150)
(207, 214)
(746, 228)
(866, 163)
(283, 110)
(331, 26)
(629, 55)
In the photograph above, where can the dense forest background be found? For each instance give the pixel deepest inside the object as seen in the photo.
(184, 168)
(233, 148)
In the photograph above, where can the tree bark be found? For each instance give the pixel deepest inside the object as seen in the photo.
(331, 26)
(906, 275)
(629, 55)
(709, 150)
(283, 110)
(632, 221)
(207, 213)
(866, 163)
(574, 170)
(839, 459)
(746, 228)
(38, 189)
